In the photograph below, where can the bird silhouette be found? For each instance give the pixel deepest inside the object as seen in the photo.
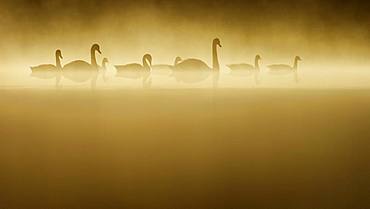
(282, 69)
(49, 71)
(81, 71)
(195, 70)
(136, 71)
(244, 69)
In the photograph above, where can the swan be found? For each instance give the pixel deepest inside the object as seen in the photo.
(135, 70)
(165, 69)
(246, 67)
(80, 65)
(196, 64)
(81, 71)
(195, 70)
(47, 71)
(282, 68)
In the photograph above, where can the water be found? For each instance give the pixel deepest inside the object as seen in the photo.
(278, 144)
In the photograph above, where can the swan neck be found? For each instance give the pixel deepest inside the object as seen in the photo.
(58, 63)
(93, 58)
(216, 64)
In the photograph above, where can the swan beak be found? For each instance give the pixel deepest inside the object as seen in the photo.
(99, 51)
(219, 45)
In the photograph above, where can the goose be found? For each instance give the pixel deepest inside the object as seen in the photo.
(136, 71)
(81, 71)
(283, 68)
(47, 71)
(195, 70)
(165, 69)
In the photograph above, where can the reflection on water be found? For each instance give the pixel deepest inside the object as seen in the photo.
(194, 148)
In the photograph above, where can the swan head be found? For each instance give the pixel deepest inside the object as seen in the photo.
(58, 53)
(298, 58)
(217, 42)
(148, 58)
(96, 47)
(258, 57)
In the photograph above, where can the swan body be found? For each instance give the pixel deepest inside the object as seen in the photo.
(47, 71)
(135, 70)
(247, 67)
(78, 65)
(242, 66)
(44, 68)
(192, 65)
(283, 68)
(244, 69)
(191, 71)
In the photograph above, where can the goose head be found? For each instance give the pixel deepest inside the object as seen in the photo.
(217, 42)
(96, 48)
(298, 58)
